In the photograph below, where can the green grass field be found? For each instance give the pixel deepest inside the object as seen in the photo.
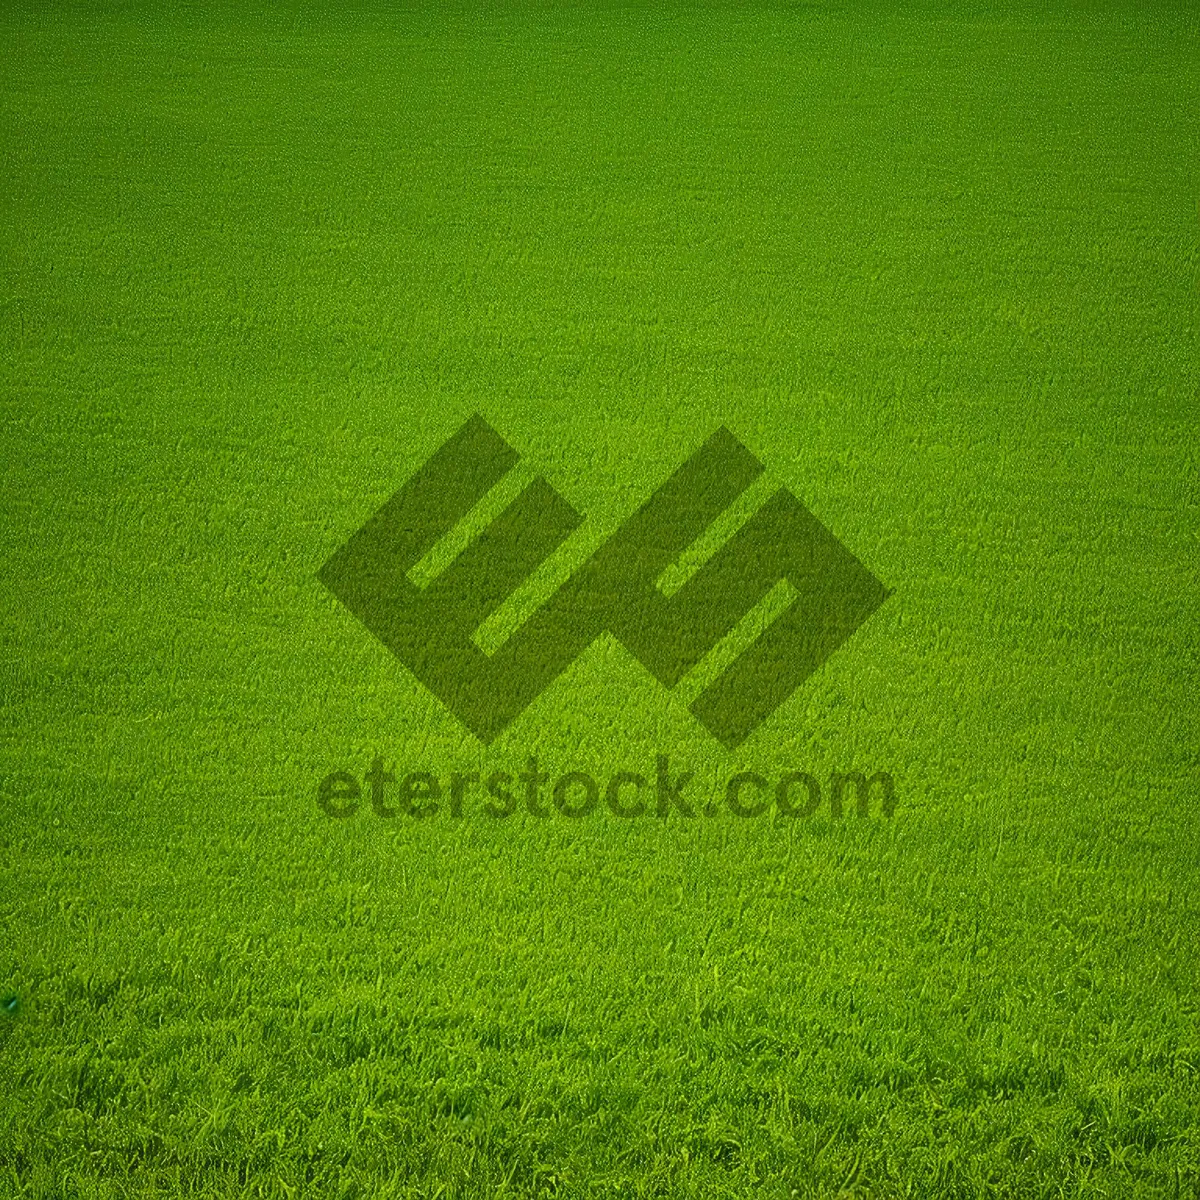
(936, 267)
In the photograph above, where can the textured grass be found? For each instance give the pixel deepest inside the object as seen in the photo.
(937, 268)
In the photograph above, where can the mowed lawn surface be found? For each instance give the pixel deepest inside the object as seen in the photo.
(935, 267)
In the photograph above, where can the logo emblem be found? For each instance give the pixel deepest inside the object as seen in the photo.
(430, 629)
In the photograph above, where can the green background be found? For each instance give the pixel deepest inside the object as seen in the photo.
(936, 267)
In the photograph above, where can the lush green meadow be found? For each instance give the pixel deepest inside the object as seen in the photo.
(936, 267)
